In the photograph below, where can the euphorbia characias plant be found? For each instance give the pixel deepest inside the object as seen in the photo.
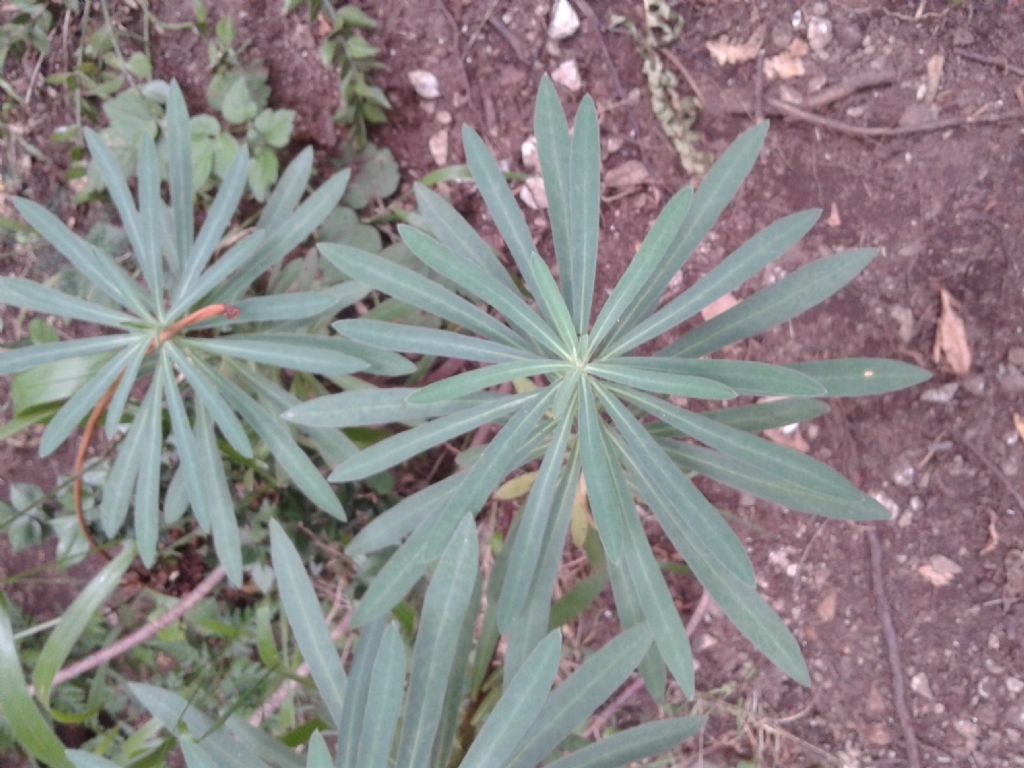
(589, 402)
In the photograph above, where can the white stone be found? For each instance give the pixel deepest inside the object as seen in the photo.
(564, 21)
(533, 195)
(567, 74)
(528, 152)
(425, 84)
(438, 144)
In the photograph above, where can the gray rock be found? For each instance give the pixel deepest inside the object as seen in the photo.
(943, 394)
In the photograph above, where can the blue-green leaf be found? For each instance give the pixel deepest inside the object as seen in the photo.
(553, 150)
(179, 143)
(634, 744)
(387, 682)
(26, 294)
(856, 376)
(584, 196)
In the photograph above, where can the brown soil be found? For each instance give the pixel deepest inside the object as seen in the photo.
(944, 207)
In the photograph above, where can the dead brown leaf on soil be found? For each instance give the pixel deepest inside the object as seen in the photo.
(951, 337)
(725, 51)
(789, 63)
(1018, 424)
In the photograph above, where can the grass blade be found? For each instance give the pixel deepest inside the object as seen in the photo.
(857, 376)
(307, 622)
(447, 600)
(585, 201)
(633, 744)
(74, 621)
(775, 304)
(517, 710)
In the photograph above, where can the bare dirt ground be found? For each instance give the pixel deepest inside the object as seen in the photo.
(913, 630)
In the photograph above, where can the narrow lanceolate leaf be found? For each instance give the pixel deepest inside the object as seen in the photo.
(390, 527)
(74, 621)
(78, 406)
(283, 238)
(775, 304)
(211, 399)
(745, 377)
(662, 382)
(101, 270)
(729, 470)
(289, 190)
(115, 410)
(551, 297)
(226, 540)
(396, 449)
(415, 339)
(707, 532)
(179, 165)
(655, 248)
(117, 490)
(456, 233)
(657, 606)
(553, 151)
(27, 294)
(358, 693)
(22, 358)
(289, 456)
(585, 201)
(301, 305)
(417, 291)
(503, 209)
(470, 382)
(600, 470)
(633, 744)
(513, 717)
(307, 622)
(577, 698)
(858, 376)
(628, 607)
(25, 721)
(732, 588)
(761, 416)
(224, 205)
(195, 470)
(366, 407)
(388, 685)
(533, 523)
(742, 264)
(786, 464)
(716, 191)
(81, 759)
(476, 282)
(317, 754)
(295, 352)
(195, 756)
(147, 486)
(150, 258)
(447, 600)
(236, 256)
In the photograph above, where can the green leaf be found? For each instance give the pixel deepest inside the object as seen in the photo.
(396, 449)
(391, 526)
(300, 305)
(584, 197)
(223, 208)
(206, 392)
(769, 415)
(82, 759)
(377, 177)
(226, 540)
(653, 251)
(517, 710)
(317, 755)
(503, 209)
(117, 490)
(23, 718)
(366, 407)
(415, 339)
(150, 258)
(22, 358)
(129, 377)
(357, 693)
(662, 382)
(147, 484)
(289, 190)
(476, 282)
(447, 600)
(628, 606)
(307, 622)
(50, 384)
(553, 151)
(856, 376)
(604, 493)
(238, 106)
(633, 744)
(26, 294)
(716, 191)
(74, 621)
(194, 755)
(551, 297)
(194, 469)
(393, 581)
(240, 254)
(75, 409)
(388, 685)
(533, 524)
(742, 264)
(581, 694)
(275, 125)
(293, 351)
(470, 382)
(179, 164)
(101, 270)
(742, 376)
(457, 235)
(263, 170)
(417, 291)
(775, 304)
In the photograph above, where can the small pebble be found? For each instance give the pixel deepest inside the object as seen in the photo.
(567, 74)
(425, 84)
(943, 394)
(564, 21)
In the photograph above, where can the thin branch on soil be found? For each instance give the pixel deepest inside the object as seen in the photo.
(685, 72)
(994, 469)
(993, 61)
(480, 27)
(141, 635)
(824, 98)
(606, 714)
(509, 37)
(893, 645)
(460, 53)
